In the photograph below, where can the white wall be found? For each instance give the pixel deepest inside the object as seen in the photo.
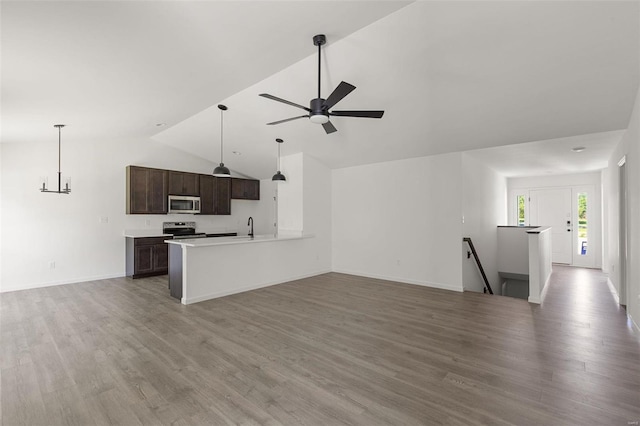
(317, 208)
(304, 206)
(629, 146)
(291, 195)
(1, 145)
(400, 220)
(39, 228)
(484, 194)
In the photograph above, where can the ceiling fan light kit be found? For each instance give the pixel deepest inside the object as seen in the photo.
(221, 170)
(319, 108)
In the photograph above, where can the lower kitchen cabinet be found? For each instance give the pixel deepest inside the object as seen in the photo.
(146, 257)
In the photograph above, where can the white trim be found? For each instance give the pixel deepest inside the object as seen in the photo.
(401, 280)
(31, 286)
(188, 301)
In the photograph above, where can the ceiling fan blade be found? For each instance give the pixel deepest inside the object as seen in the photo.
(365, 114)
(329, 128)
(340, 92)
(287, 119)
(284, 101)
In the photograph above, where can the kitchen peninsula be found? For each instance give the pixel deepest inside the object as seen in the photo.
(206, 268)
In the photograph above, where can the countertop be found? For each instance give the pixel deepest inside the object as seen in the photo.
(241, 239)
(148, 233)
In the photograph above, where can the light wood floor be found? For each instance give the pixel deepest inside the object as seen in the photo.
(333, 349)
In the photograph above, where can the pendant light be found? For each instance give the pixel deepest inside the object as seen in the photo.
(221, 170)
(66, 190)
(279, 176)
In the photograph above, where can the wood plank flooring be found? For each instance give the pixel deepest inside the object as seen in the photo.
(332, 349)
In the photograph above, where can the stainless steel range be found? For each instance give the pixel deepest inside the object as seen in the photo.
(182, 230)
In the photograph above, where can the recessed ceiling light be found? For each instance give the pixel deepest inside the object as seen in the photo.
(237, 152)
(161, 124)
(578, 149)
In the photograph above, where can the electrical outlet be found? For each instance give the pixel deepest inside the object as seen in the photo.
(147, 222)
(398, 262)
(52, 265)
(103, 219)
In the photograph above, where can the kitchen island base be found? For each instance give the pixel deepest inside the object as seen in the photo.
(206, 268)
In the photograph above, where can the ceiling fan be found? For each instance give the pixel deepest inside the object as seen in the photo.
(318, 111)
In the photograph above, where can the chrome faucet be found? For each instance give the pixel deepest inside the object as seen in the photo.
(250, 222)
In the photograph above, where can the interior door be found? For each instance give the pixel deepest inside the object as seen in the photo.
(552, 207)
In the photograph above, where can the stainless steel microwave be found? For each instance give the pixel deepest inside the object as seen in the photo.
(183, 204)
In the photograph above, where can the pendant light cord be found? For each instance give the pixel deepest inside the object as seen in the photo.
(278, 157)
(221, 134)
(59, 150)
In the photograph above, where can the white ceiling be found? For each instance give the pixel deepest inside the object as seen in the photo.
(117, 68)
(553, 156)
(451, 76)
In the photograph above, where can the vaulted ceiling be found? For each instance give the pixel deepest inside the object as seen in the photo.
(451, 76)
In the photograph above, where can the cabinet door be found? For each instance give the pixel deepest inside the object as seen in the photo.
(182, 183)
(157, 192)
(160, 257)
(143, 259)
(137, 184)
(222, 196)
(245, 189)
(191, 184)
(146, 190)
(207, 203)
(176, 182)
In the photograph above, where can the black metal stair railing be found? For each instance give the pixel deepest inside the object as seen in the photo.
(487, 286)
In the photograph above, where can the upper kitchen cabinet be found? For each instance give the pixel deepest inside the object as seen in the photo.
(182, 183)
(245, 189)
(146, 190)
(215, 195)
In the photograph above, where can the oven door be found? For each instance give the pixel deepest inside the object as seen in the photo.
(182, 204)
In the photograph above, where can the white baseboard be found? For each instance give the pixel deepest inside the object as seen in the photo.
(401, 280)
(6, 289)
(188, 301)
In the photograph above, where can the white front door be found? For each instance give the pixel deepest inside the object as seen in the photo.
(552, 207)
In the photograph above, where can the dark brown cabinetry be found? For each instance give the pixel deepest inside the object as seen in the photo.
(146, 257)
(215, 195)
(182, 183)
(245, 189)
(146, 190)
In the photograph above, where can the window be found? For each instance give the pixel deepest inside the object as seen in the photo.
(582, 224)
(521, 211)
